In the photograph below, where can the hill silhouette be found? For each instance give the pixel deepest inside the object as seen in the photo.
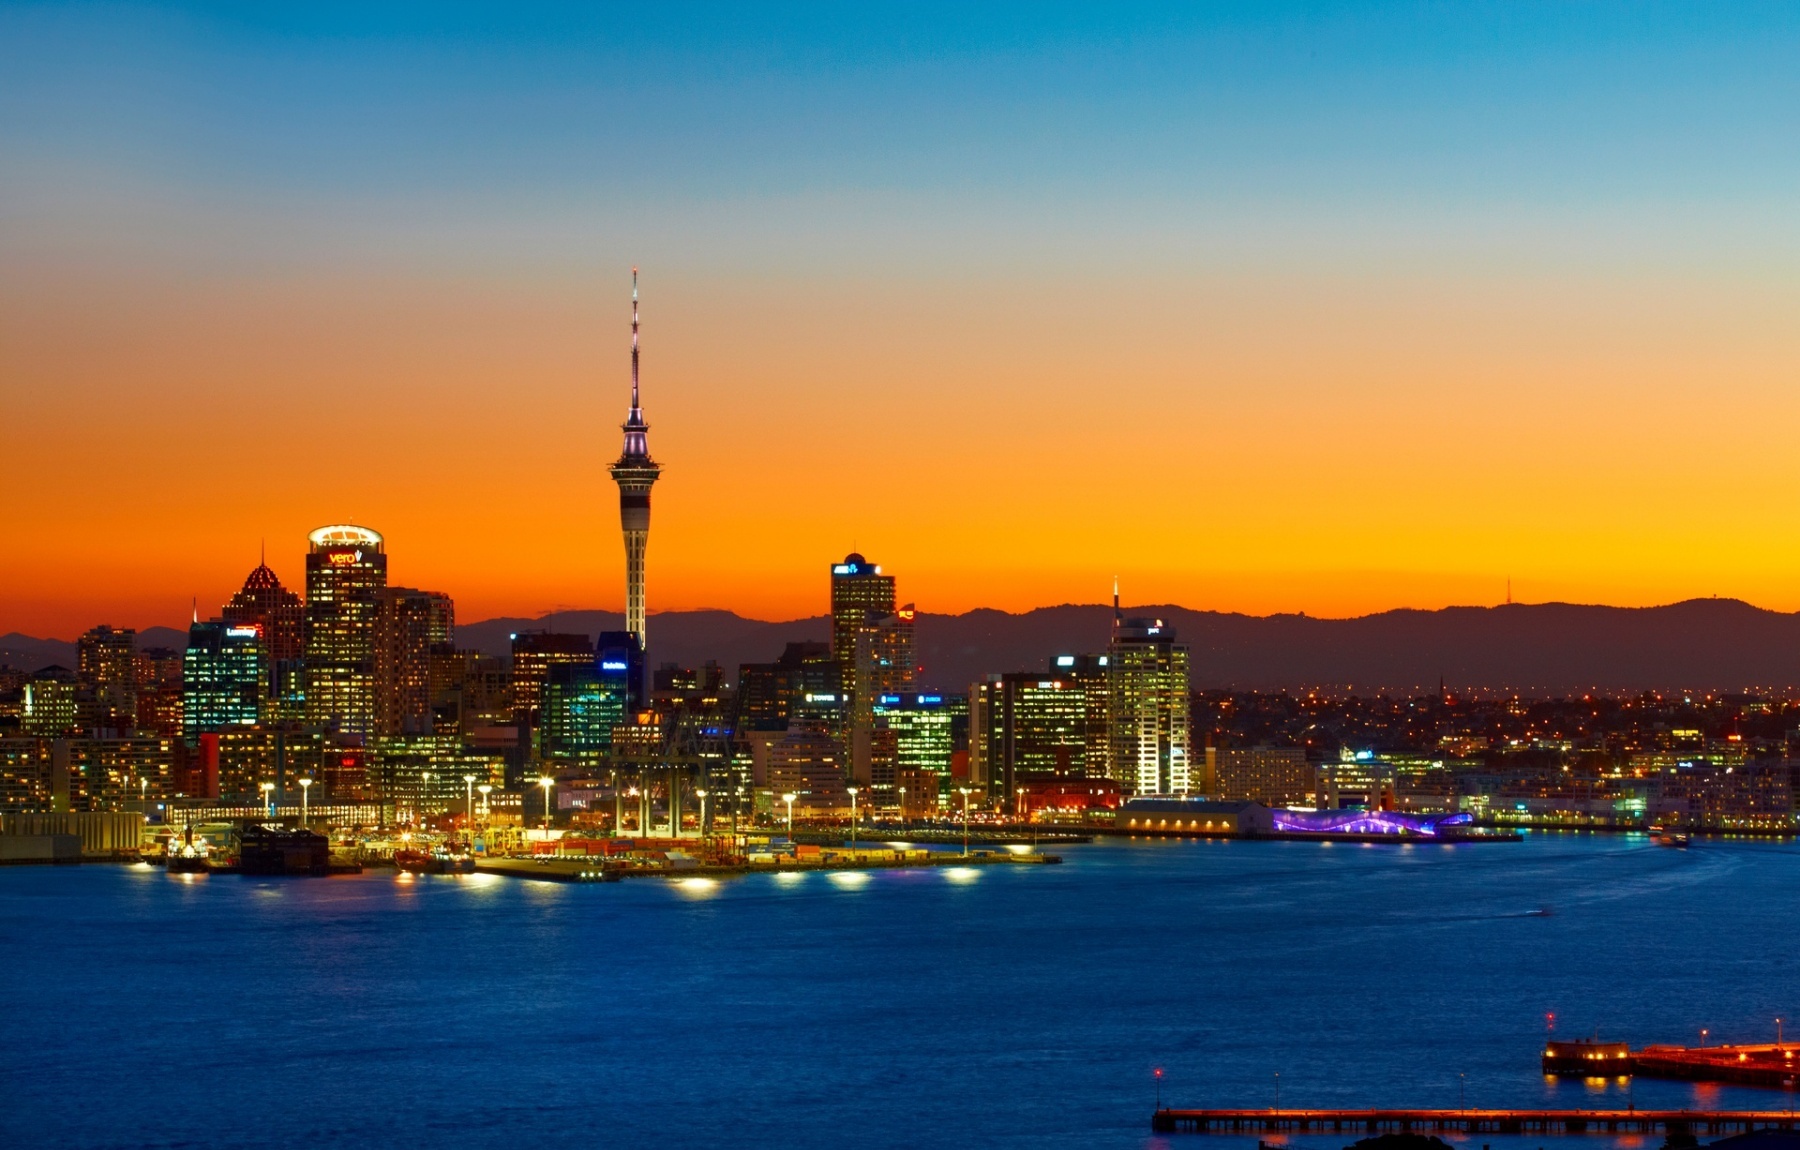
(1543, 648)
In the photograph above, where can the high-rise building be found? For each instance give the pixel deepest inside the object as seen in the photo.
(346, 571)
(581, 705)
(1149, 717)
(859, 593)
(49, 703)
(468, 690)
(1027, 724)
(805, 680)
(263, 602)
(222, 679)
(884, 667)
(409, 624)
(635, 473)
(808, 763)
(107, 657)
(106, 667)
(925, 729)
(533, 653)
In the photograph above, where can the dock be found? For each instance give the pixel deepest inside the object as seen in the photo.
(1474, 1121)
(579, 869)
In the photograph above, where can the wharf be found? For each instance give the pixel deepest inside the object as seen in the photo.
(1475, 1121)
(597, 870)
(1767, 1065)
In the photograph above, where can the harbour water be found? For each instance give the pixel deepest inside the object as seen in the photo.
(999, 1007)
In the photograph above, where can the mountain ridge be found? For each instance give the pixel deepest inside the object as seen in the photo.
(1702, 644)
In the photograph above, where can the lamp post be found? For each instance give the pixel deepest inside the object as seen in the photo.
(1158, 1073)
(1459, 1092)
(903, 810)
(144, 797)
(424, 796)
(469, 809)
(546, 782)
(700, 831)
(305, 809)
(965, 795)
(853, 792)
(633, 792)
(486, 789)
(268, 790)
(789, 798)
(1703, 1034)
(1019, 810)
(1278, 1092)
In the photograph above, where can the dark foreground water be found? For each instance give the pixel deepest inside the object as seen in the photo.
(984, 1008)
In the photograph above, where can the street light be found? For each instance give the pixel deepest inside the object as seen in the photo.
(486, 789)
(425, 797)
(853, 792)
(469, 809)
(144, 797)
(268, 790)
(789, 800)
(633, 792)
(903, 810)
(546, 782)
(1022, 813)
(965, 795)
(1703, 1034)
(305, 786)
(700, 831)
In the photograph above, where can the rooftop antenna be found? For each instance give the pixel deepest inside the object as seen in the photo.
(1115, 603)
(264, 561)
(635, 416)
(196, 608)
(1509, 590)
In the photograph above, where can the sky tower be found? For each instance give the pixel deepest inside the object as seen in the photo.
(635, 472)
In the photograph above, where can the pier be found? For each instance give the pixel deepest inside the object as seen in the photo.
(1474, 1121)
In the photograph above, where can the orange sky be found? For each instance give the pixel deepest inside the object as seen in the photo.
(1241, 441)
(1257, 307)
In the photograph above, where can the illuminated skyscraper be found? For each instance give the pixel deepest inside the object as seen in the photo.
(1027, 724)
(222, 678)
(859, 593)
(533, 654)
(263, 602)
(346, 572)
(884, 667)
(409, 624)
(635, 473)
(1149, 720)
(107, 669)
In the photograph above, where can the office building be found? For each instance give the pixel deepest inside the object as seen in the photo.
(469, 690)
(884, 666)
(635, 473)
(1027, 724)
(860, 593)
(805, 680)
(533, 654)
(580, 707)
(409, 624)
(263, 602)
(106, 669)
(808, 763)
(48, 703)
(620, 658)
(926, 730)
(1272, 776)
(222, 678)
(346, 572)
(1148, 716)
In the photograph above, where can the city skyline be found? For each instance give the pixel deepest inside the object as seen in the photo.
(1382, 309)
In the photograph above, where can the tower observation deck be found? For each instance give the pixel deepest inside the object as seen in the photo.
(635, 473)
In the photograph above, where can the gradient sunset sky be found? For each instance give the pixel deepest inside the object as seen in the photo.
(1261, 307)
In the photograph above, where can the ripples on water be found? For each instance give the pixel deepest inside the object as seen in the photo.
(962, 1007)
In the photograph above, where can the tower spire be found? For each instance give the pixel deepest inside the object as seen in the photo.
(635, 473)
(636, 415)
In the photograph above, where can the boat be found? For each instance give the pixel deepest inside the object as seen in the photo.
(186, 857)
(1664, 837)
(435, 862)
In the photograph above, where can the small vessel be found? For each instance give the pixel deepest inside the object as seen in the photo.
(1664, 837)
(186, 857)
(435, 862)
